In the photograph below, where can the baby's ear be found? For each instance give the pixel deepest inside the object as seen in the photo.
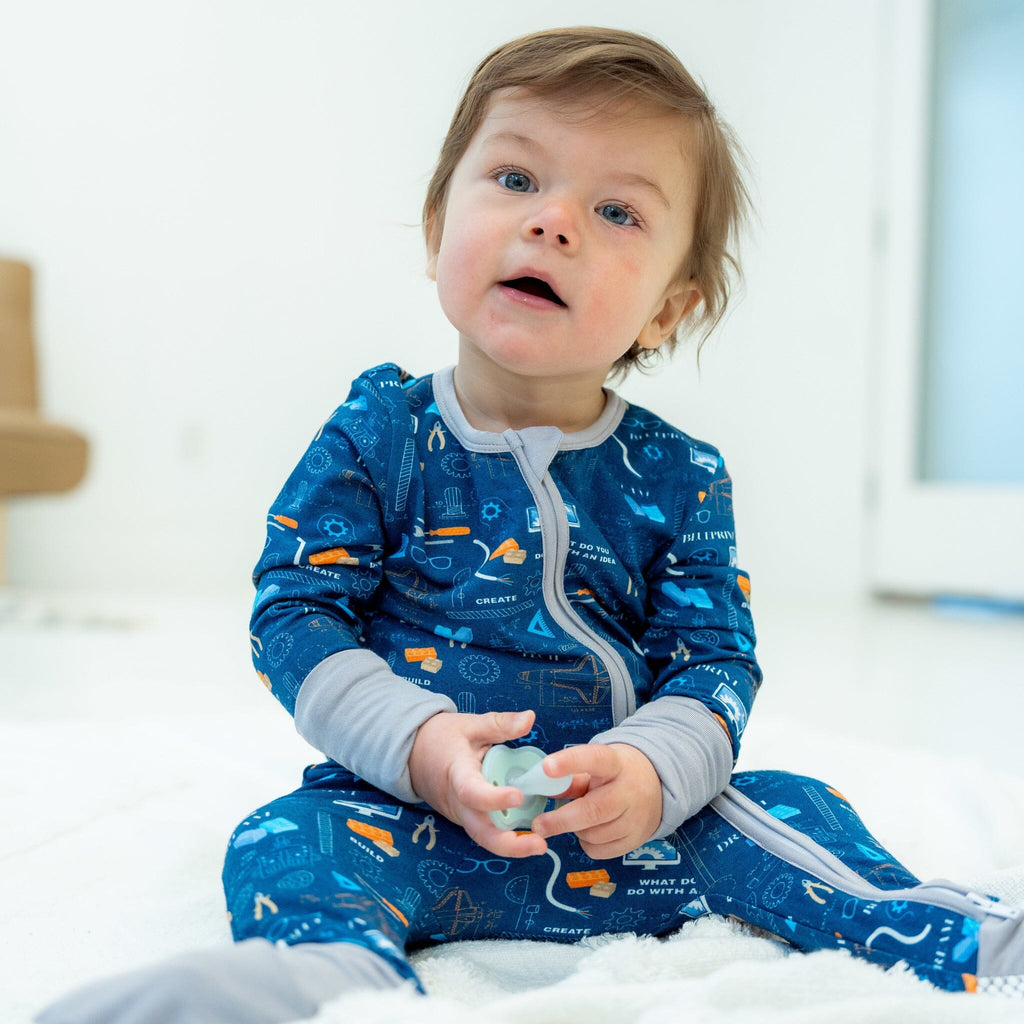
(679, 301)
(433, 235)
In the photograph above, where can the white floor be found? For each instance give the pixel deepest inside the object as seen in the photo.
(907, 674)
(111, 660)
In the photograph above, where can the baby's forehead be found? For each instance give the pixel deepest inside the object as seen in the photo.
(595, 108)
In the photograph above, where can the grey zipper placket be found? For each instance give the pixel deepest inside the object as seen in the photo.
(785, 842)
(554, 532)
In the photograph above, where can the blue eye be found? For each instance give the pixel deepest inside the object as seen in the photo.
(615, 214)
(516, 181)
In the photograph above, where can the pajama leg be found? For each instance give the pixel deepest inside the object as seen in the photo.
(326, 867)
(789, 854)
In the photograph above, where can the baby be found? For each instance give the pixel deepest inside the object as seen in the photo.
(506, 553)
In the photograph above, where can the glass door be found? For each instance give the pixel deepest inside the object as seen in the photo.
(948, 444)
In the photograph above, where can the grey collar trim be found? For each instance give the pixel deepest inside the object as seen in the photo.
(485, 441)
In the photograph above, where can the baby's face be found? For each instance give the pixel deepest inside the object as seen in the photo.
(564, 234)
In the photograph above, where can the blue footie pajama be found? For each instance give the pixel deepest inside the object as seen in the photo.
(416, 565)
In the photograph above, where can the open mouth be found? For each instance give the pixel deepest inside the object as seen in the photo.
(534, 286)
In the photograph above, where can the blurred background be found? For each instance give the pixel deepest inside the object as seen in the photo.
(220, 201)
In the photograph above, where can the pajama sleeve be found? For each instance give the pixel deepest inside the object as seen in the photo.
(699, 641)
(320, 569)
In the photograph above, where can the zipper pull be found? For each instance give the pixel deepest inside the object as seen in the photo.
(992, 907)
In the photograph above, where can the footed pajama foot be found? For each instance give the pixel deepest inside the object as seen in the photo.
(252, 982)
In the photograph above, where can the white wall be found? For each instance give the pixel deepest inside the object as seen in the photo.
(221, 200)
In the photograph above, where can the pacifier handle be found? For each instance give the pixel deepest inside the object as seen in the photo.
(521, 767)
(536, 782)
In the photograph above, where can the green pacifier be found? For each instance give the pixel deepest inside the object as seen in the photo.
(520, 767)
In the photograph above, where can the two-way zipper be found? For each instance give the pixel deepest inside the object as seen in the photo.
(555, 542)
(785, 842)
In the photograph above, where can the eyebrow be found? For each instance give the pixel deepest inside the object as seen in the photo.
(628, 178)
(515, 138)
(653, 187)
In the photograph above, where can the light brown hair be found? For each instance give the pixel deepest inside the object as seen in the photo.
(611, 64)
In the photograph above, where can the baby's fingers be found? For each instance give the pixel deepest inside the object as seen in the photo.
(499, 726)
(599, 807)
(579, 786)
(473, 791)
(501, 843)
(598, 761)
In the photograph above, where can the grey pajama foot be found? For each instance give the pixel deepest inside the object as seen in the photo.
(1001, 952)
(252, 982)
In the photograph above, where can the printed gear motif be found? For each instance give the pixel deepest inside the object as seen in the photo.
(363, 584)
(456, 464)
(434, 874)
(279, 648)
(625, 920)
(490, 510)
(318, 460)
(705, 636)
(478, 668)
(336, 527)
(777, 892)
(651, 851)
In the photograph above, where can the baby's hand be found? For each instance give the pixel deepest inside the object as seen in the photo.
(444, 768)
(616, 810)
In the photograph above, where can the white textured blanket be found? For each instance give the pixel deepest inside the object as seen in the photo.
(114, 835)
(710, 973)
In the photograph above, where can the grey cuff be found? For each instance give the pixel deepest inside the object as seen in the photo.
(689, 749)
(360, 714)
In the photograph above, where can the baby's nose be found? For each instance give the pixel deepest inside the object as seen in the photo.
(555, 221)
(562, 239)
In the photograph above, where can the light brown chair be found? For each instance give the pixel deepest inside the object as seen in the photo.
(37, 455)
